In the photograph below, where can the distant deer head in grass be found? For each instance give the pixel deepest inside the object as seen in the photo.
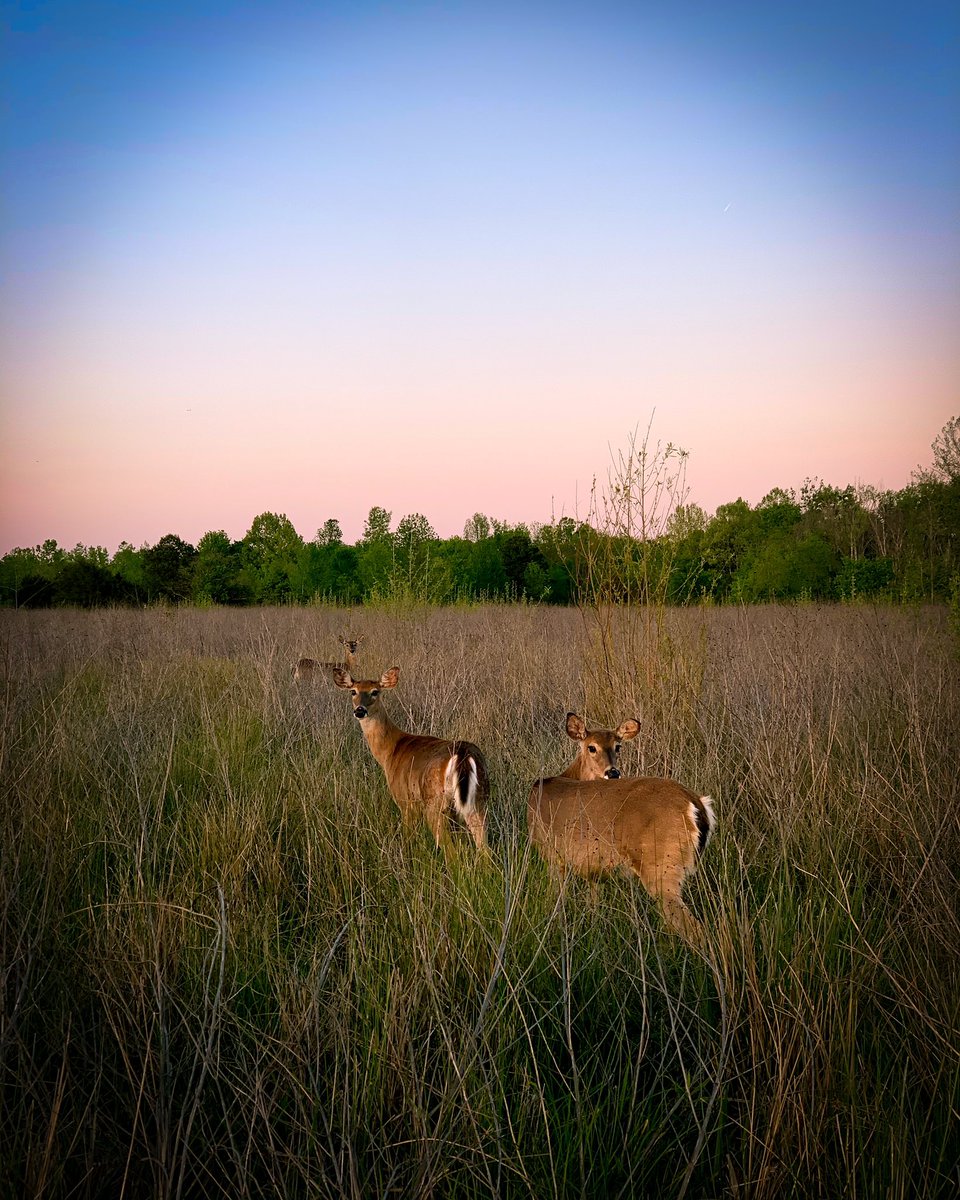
(309, 670)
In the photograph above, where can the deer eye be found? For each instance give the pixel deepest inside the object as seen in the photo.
(375, 692)
(616, 749)
(353, 691)
(592, 749)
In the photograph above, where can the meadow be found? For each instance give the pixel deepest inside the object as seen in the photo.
(228, 972)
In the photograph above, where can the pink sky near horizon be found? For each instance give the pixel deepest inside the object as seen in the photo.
(437, 299)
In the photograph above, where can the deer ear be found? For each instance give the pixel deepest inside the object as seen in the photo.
(390, 678)
(576, 727)
(343, 679)
(628, 729)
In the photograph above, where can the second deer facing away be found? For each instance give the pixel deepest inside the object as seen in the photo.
(592, 821)
(438, 781)
(309, 670)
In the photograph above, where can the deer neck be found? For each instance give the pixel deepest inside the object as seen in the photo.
(576, 771)
(381, 734)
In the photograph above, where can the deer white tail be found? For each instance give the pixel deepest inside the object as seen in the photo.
(460, 782)
(704, 820)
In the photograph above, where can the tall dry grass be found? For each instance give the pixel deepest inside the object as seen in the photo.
(226, 972)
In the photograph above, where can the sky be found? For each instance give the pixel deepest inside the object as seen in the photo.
(446, 257)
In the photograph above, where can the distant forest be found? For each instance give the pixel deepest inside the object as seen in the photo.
(825, 543)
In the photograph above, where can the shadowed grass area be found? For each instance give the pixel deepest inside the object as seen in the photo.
(227, 971)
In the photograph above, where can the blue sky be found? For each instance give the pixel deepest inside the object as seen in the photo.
(444, 257)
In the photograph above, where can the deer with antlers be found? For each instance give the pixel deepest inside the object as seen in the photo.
(444, 783)
(592, 821)
(308, 670)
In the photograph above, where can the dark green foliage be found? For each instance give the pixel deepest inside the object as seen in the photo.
(333, 572)
(727, 541)
(35, 591)
(864, 578)
(217, 569)
(128, 565)
(330, 533)
(86, 585)
(270, 552)
(926, 521)
(784, 567)
(517, 553)
(168, 569)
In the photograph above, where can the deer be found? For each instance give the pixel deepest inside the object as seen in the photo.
(593, 821)
(442, 782)
(309, 669)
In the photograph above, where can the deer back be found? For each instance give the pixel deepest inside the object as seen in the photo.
(600, 825)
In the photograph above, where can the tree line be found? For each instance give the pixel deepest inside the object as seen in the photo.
(822, 543)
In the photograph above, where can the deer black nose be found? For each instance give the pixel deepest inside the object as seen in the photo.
(613, 773)
(359, 712)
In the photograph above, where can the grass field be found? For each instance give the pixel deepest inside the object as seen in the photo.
(226, 971)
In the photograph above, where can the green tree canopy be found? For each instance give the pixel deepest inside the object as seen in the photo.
(271, 552)
(477, 528)
(86, 584)
(216, 573)
(330, 533)
(168, 568)
(377, 526)
(946, 451)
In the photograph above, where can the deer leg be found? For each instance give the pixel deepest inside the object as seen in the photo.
(477, 826)
(664, 884)
(680, 919)
(439, 824)
(408, 817)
